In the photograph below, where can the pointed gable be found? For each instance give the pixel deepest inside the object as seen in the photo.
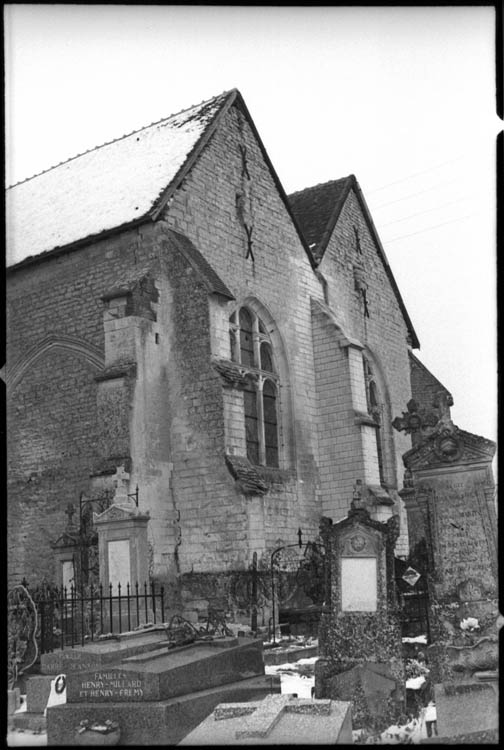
(425, 388)
(118, 184)
(317, 210)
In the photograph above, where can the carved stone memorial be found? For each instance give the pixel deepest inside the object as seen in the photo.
(360, 636)
(449, 495)
(122, 545)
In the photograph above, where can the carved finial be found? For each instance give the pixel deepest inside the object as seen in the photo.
(70, 511)
(357, 500)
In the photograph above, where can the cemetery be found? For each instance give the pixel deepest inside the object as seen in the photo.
(171, 682)
(239, 510)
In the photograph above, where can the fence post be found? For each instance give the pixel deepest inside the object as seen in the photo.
(128, 594)
(110, 607)
(119, 604)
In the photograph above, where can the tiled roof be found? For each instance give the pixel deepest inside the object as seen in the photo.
(111, 186)
(316, 210)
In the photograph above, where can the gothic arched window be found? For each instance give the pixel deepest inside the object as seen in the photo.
(251, 348)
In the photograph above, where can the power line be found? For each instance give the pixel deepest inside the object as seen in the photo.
(415, 174)
(427, 210)
(428, 229)
(413, 195)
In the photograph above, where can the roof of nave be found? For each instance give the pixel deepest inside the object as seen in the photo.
(317, 210)
(117, 185)
(112, 185)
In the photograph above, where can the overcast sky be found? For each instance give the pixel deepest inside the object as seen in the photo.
(404, 98)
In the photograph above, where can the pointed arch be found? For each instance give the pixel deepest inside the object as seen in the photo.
(379, 407)
(258, 346)
(78, 347)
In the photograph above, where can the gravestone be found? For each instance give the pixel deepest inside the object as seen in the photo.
(122, 545)
(276, 720)
(360, 634)
(158, 696)
(450, 502)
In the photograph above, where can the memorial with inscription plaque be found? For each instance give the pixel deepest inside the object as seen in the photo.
(360, 634)
(153, 692)
(450, 501)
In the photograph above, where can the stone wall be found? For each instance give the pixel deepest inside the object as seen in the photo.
(111, 358)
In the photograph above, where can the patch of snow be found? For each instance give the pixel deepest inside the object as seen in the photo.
(103, 188)
(308, 660)
(416, 639)
(301, 685)
(430, 712)
(415, 683)
(470, 623)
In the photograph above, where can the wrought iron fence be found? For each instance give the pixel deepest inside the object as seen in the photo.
(69, 617)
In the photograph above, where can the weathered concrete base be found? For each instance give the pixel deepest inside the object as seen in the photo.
(158, 722)
(35, 722)
(466, 708)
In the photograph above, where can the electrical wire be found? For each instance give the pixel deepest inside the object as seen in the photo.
(427, 229)
(427, 210)
(415, 174)
(413, 195)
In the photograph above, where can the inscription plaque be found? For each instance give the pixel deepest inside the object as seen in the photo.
(67, 574)
(119, 562)
(359, 591)
(110, 684)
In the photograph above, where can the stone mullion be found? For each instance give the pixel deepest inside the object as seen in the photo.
(260, 421)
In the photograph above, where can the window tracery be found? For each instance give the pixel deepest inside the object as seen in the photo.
(251, 348)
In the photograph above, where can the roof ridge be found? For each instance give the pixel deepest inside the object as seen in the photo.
(122, 137)
(321, 184)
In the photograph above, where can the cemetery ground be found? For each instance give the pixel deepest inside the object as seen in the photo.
(292, 661)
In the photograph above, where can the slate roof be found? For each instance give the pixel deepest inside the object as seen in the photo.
(317, 210)
(114, 185)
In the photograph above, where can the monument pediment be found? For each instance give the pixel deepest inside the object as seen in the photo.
(116, 512)
(449, 446)
(65, 540)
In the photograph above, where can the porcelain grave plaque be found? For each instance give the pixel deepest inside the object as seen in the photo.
(358, 584)
(119, 562)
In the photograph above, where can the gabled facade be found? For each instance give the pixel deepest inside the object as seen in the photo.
(237, 364)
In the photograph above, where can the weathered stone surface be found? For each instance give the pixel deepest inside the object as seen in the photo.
(100, 653)
(38, 689)
(153, 723)
(176, 672)
(276, 720)
(466, 708)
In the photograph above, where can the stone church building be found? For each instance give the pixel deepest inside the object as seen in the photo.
(185, 338)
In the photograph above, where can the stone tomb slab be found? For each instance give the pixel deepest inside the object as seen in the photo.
(177, 672)
(277, 719)
(158, 722)
(98, 654)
